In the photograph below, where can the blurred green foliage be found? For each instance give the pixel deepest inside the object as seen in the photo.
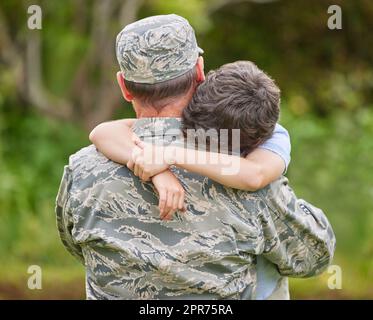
(326, 79)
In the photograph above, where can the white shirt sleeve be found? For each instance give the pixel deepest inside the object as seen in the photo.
(279, 143)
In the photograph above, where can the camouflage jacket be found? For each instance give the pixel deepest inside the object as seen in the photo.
(109, 220)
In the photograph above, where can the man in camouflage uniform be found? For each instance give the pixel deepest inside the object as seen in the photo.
(224, 246)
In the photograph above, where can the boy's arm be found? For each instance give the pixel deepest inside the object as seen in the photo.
(279, 143)
(261, 167)
(114, 139)
(254, 172)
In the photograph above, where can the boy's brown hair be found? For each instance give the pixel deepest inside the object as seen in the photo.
(236, 96)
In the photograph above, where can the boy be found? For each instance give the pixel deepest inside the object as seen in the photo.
(236, 96)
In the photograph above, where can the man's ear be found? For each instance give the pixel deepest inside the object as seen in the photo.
(200, 71)
(126, 94)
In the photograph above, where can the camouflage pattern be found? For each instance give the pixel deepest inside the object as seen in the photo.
(156, 49)
(109, 220)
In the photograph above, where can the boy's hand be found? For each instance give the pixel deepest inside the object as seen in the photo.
(171, 194)
(148, 160)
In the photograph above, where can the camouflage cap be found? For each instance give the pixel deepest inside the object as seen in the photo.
(156, 49)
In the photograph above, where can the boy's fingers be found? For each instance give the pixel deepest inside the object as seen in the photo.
(130, 165)
(145, 176)
(175, 203)
(135, 138)
(169, 215)
(166, 214)
(168, 207)
(170, 197)
(139, 143)
(141, 173)
(181, 201)
(162, 201)
(136, 170)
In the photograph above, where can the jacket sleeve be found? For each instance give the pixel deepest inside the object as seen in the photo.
(297, 236)
(64, 216)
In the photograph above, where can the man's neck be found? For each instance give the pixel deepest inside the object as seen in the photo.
(171, 109)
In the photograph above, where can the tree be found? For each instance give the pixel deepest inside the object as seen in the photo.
(93, 95)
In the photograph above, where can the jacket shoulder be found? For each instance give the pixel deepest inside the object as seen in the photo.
(88, 156)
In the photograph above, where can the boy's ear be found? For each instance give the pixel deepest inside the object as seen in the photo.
(200, 70)
(126, 94)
